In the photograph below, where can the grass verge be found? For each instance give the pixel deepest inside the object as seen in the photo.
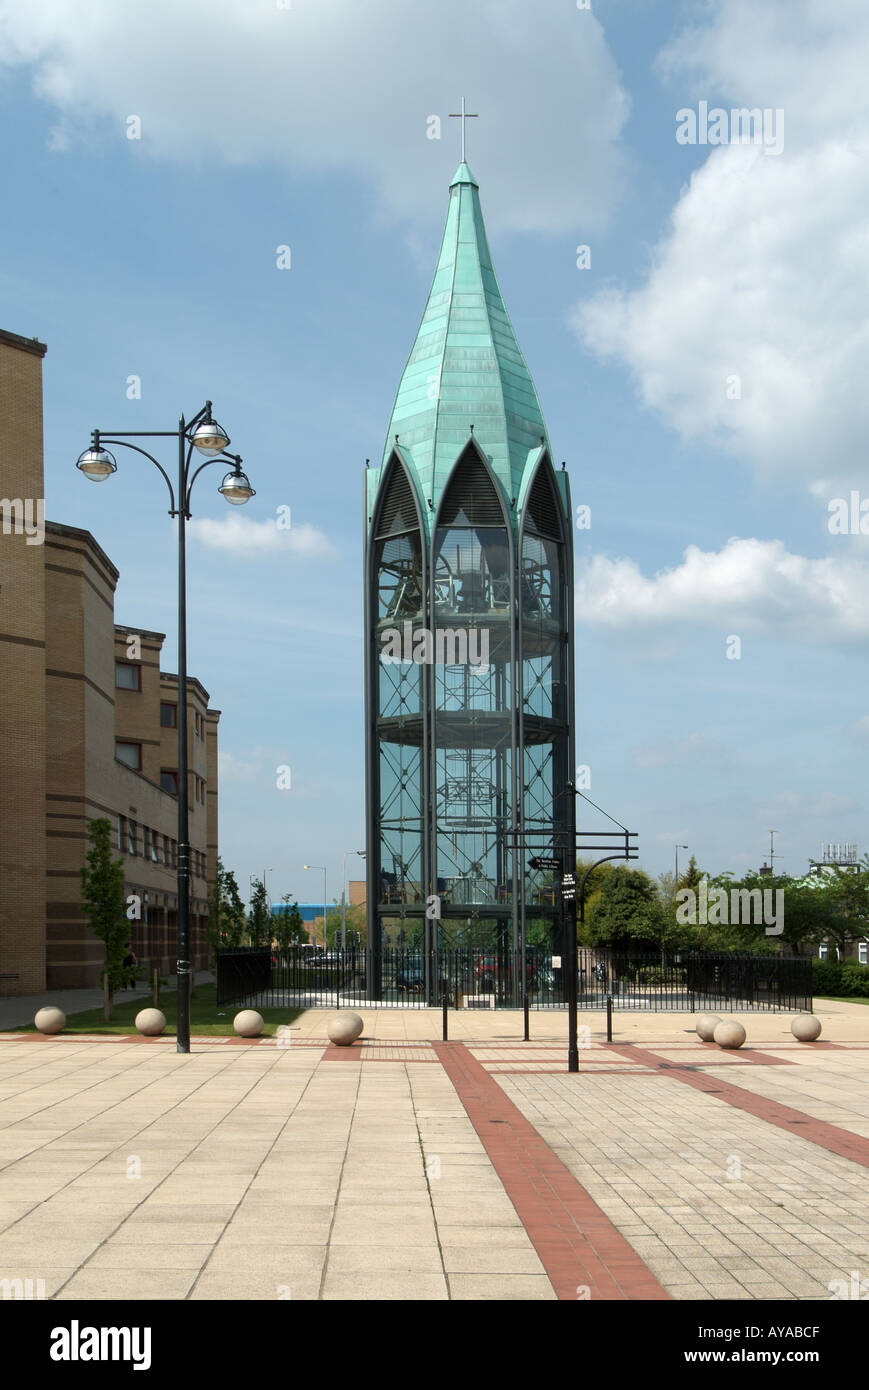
(844, 998)
(206, 1018)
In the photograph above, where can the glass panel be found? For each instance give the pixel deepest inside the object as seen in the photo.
(398, 568)
(127, 677)
(129, 753)
(400, 824)
(473, 610)
(472, 572)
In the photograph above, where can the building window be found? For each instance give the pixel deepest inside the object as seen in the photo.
(130, 754)
(155, 847)
(863, 952)
(146, 842)
(168, 715)
(122, 833)
(199, 788)
(169, 780)
(132, 836)
(127, 676)
(197, 724)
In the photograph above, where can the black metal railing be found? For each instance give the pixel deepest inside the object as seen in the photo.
(684, 982)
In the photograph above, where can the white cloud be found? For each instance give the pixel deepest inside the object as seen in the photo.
(763, 270)
(338, 84)
(747, 586)
(691, 750)
(243, 536)
(824, 804)
(235, 769)
(257, 765)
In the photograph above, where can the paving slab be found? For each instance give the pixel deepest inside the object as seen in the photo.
(483, 1173)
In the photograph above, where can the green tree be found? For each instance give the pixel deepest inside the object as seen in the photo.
(809, 914)
(692, 876)
(226, 916)
(289, 928)
(356, 918)
(726, 934)
(104, 904)
(628, 912)
(597, 877)
(259, 924)
(847, 891)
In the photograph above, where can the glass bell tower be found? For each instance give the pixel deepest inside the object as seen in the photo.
(469, 630)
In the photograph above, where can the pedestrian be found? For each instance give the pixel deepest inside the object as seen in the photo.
(129, 963)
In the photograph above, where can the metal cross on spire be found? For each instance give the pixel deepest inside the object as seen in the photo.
(463, 116)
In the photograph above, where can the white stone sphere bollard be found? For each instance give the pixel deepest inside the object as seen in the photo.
(729, 1033)
(706, 1025)
(248, 1023)
(805, 1027)
(50, 1019)
(150, 1022)
(344, 1028)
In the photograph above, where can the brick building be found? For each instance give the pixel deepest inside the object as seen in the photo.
(88, 728)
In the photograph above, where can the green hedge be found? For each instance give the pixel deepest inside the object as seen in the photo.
(840, 978)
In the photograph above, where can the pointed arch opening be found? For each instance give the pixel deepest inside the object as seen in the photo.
(541, 563)
(397, 552)
(471, 551)
(472, 727)
(397, 604)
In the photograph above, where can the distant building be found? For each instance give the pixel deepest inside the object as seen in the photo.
(843, 856)
(88, 728)
(312, 913)
(835, 856)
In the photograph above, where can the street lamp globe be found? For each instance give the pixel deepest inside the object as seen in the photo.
(97, 464)
(236, 488)
(210, 438)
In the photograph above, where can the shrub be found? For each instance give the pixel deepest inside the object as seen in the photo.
(841, 978)
(826, 976)
(855, 979)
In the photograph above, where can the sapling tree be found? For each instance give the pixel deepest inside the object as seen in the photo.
(104, 904)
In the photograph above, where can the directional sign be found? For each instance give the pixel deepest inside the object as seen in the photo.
(568, 888)
(539, 862)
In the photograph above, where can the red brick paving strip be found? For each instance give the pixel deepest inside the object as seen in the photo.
(827, 1136)
(348, 1053)
(577, 1244)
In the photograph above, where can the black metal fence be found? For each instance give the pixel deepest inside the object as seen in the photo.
(684, 982)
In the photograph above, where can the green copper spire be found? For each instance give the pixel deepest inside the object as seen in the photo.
(465, 369)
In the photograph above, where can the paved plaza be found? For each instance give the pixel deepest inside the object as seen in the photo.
(409, 1168)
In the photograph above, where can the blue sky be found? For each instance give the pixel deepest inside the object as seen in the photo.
(305, 126)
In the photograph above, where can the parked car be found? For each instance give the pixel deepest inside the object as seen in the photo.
(410, 978)
(489, 973)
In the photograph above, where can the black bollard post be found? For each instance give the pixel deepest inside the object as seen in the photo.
(609, 1018)
(527, 1016)
(446, 1000)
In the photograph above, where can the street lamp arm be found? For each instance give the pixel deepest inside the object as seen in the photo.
(103, 439)
(589, 870)
(203, 414)
(206, 463)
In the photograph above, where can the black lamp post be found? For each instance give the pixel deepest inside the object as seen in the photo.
(204, 434)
